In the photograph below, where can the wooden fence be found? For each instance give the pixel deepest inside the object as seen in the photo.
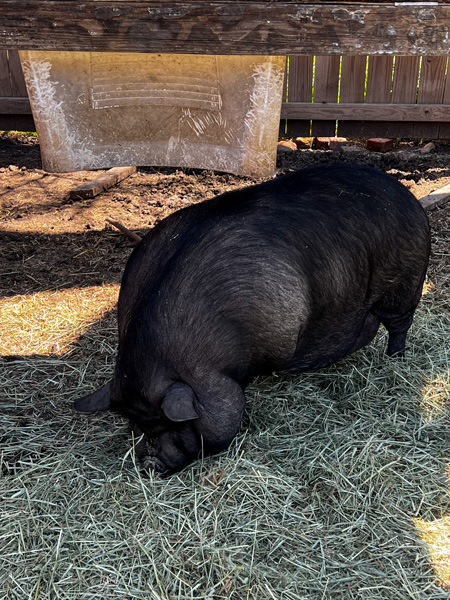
(15, 111)
(374, 96)
(355, 96)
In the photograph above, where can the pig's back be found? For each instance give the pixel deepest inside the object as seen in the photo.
(263, 266)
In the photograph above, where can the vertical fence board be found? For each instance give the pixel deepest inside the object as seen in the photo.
(5, 81)
(431, 84)
(444, 128)
(326, 85)
(283, 122)
(379, 79)
(404, 90)
(431, 91)
(300, 90)
(18, 86)
(446, 94)
(353, 75)
(12, 84)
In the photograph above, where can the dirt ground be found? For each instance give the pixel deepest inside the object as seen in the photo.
(50, 242)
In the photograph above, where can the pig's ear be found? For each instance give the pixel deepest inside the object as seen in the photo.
(98, 400)
(178, 403)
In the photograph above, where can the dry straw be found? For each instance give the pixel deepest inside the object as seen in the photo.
(336, 487)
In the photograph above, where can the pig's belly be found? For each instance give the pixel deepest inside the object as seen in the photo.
(322, 346)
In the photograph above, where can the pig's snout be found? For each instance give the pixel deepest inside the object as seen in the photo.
(167, 452)
(154, 465)
(146, 450)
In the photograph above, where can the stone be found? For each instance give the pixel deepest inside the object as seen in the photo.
(406, 155)
(286, 146)
(336, 143)
(303, 143)
(427, 148)
(322, 143)
(348, 150)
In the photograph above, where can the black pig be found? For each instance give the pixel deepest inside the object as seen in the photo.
(286, 276)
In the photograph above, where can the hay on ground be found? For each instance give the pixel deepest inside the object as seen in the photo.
(336, 487)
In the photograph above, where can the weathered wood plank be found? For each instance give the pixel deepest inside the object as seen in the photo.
(353, 74)
(101, 183)
(5, 81)
(226, 27)
(432, 80)
(300, 2)
(374, 112)
(444, 129)
(379, 79)
(15, 106)
(404, 90)
(300, 78)
(283, 122)
(431, 91)
(18, 86)
(436, 198)
(300, 90)
(326, 87)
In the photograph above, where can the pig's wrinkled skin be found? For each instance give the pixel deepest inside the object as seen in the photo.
(286, 276)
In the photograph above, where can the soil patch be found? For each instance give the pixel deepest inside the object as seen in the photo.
(51, 242)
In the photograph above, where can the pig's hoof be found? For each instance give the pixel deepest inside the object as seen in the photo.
(397, 355)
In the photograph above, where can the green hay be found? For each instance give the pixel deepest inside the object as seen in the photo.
(318, 496)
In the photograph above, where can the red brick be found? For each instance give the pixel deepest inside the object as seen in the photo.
(322, 143)
(336, 143)
(380, 144)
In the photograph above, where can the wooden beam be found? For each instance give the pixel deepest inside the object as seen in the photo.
(309, 110)
(15, 106)
(365, 112)
(436, 198)
(101, 183)
(227, 26)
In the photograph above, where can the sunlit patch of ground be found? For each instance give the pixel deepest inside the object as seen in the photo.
(428, 286)
(51, 322)
(435, 396)
(436, 535)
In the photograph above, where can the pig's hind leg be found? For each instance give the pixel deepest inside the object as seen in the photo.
(396, 308)
(397, 325)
